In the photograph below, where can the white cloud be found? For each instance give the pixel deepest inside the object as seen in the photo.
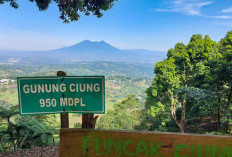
(190, 7)
(219, 17)
(228, 10)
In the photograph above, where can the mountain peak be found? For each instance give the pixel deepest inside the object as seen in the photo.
(87, 45)
(85, 41)
(93, 42)
(103, 41)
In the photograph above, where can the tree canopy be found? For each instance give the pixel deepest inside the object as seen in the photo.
(194, 81)
(70, 9)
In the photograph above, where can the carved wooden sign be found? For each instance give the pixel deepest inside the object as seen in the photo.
(92, 143)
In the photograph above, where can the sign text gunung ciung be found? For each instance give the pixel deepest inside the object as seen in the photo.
(76, 94)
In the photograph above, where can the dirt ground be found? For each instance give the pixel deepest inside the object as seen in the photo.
(34, 152)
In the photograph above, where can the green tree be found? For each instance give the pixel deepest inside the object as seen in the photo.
(217, 80)
(225, 71)
(125, 116)
(223, 76)
(70, 9)
(185, 66)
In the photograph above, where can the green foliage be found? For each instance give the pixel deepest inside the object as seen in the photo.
(24, 132)
(7, 113)
(194, 81)
(77, 125)
(49, 120)
(70, 10)
(125, 116)
(32, 132)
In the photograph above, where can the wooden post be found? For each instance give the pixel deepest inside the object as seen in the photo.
(89, 121)
(63, 116)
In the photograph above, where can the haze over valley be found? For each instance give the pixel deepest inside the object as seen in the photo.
(83, 51)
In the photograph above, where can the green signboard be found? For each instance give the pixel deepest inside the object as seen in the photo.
(76, 94)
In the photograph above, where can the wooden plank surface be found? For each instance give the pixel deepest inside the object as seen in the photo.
(92, 143)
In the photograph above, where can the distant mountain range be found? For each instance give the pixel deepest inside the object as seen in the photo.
(83, 51)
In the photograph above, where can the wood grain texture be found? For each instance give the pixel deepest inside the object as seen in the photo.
(89, 121)
(92, 143)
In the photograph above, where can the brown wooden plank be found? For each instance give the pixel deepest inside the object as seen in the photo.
(92, 143)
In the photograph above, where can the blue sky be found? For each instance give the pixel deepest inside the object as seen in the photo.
(131, 24)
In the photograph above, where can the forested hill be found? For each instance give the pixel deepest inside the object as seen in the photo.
(133, 70)
(83, 51)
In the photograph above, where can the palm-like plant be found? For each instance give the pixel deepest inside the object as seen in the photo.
(7, 113)
(23, 132)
